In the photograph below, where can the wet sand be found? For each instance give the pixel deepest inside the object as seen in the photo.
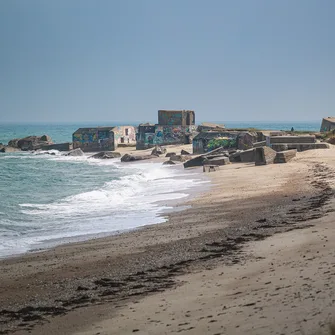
(219, 267)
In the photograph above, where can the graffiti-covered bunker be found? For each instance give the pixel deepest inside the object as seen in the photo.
(174, 127)
(103, 138)
(210, 140)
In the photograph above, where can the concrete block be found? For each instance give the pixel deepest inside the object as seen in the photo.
(196, 161)
(179, 158)
(264, 156)
(68, 146)
(210, 168)
(235, 157)
(292, 139)
(285, 156)
(217, 161)
(260, 144)
(247, 155)
(299, 146)
(279, 147)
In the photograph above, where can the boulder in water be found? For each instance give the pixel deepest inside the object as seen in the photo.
(6, 148)
(106, 155)
(75, 153)
(158, 151)
(179, 158)
(30, 142)
(132, 158)
(169, 163)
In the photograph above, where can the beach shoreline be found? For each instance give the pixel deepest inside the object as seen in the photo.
(108, 198)
(86, 283)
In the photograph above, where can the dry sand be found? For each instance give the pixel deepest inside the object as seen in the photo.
(220, 267)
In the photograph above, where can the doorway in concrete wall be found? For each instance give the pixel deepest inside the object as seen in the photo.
(122, 139)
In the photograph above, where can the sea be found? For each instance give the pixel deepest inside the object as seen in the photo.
(48, 199)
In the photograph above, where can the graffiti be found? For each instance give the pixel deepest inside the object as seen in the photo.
(226, 143)
(106, 138)
(163, 135)
(149, 138)
(176, 118)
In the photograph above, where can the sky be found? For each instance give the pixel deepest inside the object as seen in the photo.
(122, 60)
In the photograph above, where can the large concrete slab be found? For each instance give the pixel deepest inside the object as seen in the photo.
(217, 161)
(299, 146)
(247, 156)
(285, 156)
(292, 139)
(264, 156)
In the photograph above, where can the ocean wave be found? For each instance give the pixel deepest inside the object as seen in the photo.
(113, 197)
(130, 192)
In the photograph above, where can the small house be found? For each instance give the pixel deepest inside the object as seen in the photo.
(103, 138)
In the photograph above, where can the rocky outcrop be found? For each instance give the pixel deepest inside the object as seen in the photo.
(106, 155)
(184, 152)
(6, 148)
(133, 158)
(13, 143)
(158, 151)
(30, 142)
(169, 154)
(75, 153)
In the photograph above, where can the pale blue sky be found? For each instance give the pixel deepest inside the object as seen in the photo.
(122, 60)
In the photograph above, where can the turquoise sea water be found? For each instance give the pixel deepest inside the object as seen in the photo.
(49, 199)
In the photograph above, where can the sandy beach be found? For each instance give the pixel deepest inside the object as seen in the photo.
(254, 254)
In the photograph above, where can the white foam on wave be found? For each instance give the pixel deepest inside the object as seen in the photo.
(131, 201)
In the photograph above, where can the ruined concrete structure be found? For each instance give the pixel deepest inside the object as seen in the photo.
(174, 127)
(103, 138)
(67, 146)
(176, 118)
(210, 140)
(328, 124)
(206, 126)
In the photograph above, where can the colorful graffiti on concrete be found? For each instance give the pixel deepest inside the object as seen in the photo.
(162, 135)
(226, 143)
(170, 118)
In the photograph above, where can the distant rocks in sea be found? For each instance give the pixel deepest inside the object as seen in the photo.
(133, 158)
(158, 151)
(75, 153)
(30, 142)
(106, 155)
(6, 149)
(34, 143)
